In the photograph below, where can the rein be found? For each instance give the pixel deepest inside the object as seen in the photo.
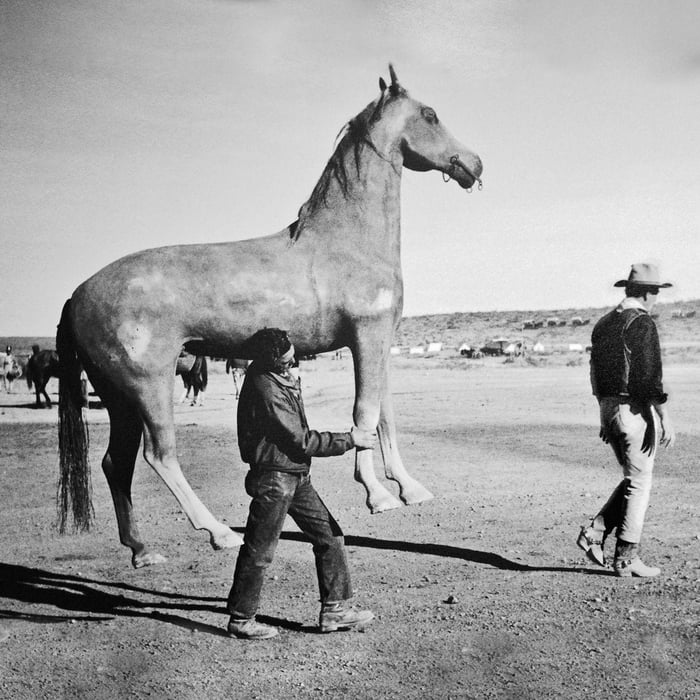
(454, 162)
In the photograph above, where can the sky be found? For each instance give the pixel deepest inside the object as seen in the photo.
(131, 125)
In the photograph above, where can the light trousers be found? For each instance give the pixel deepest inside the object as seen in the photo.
(627, 506)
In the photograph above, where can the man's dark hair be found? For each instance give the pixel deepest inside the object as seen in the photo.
(268, 345)
(632, 289)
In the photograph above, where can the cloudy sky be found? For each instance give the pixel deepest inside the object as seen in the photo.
(129, 125)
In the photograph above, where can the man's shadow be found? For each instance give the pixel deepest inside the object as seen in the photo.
(86, 600)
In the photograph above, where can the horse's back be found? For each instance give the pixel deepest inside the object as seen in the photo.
(135, 314)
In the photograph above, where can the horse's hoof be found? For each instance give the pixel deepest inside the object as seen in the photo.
(226, 540)
(147, 559)
(415, 493)
(387, 502)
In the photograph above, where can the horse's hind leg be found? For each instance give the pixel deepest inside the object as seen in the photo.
(118, 465)
(160, 453)
(41, 389)
(411, 491)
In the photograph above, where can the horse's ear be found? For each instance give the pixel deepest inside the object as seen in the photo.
(382, 84)
(395, 87)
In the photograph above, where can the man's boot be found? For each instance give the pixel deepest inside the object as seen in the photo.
(627, 561)
(250, 628)
(335, 616)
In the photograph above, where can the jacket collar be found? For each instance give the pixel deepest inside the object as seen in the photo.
(283, 380)
(631, 303)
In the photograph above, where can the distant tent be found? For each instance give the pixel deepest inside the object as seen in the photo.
(538, 348)
(395, 350)
(417, 350)
(434, 347)
(575, 347)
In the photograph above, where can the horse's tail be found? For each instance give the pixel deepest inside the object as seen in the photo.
(74, 488)
(204, 373)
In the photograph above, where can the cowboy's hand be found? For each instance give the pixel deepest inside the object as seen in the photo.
(603, 434)
(668, 434)
(364, 439)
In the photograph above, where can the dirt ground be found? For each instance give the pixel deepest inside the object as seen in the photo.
(479, 593)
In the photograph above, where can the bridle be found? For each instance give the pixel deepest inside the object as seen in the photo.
(454, 162)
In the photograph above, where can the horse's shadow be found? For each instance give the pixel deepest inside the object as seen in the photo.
(97, 404)
(86, 599)
(445, 551)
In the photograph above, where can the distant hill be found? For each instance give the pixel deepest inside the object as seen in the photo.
(678, 324)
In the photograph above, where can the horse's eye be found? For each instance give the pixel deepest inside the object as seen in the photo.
(429, 115)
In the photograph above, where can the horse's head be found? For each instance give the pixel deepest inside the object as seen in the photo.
(424, 143)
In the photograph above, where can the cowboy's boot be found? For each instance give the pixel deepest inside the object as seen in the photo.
(627, 562)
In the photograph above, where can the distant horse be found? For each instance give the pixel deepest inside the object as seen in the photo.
(194, 373)
(10, 370)
(238, 369)
(41, 366)
(332, 279)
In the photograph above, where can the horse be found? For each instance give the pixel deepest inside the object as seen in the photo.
(194, 373)
(10, 369)
(332, 278)
(238, 368)
(41, 366)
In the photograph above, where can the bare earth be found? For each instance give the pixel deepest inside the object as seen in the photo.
(479, 593)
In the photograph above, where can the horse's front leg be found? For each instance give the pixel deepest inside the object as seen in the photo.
(369, 355)
(411, 491)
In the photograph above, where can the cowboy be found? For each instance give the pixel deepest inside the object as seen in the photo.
(626, 377)
(275, 440)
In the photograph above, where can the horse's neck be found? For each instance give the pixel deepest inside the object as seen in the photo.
(366, 212)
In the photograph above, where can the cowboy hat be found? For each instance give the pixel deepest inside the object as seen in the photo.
(643, 275)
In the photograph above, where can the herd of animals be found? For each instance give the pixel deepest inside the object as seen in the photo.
(39, 367)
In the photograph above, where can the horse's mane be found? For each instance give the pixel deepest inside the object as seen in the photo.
(352, 138)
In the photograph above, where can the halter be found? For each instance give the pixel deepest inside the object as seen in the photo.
(455, 161)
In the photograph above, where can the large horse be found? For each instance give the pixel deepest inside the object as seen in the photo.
(41, 366)
(332, 278)
(195, 376)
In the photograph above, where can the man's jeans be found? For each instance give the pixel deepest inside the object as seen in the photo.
(628, 503)
(275, 494)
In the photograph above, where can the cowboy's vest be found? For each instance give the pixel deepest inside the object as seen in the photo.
(611, 354)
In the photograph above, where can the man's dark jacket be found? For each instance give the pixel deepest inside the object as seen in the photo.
(626, 357)
(273, 432)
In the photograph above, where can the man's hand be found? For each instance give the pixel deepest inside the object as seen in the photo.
(364, 439)
(603, 434)
(668, 434)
